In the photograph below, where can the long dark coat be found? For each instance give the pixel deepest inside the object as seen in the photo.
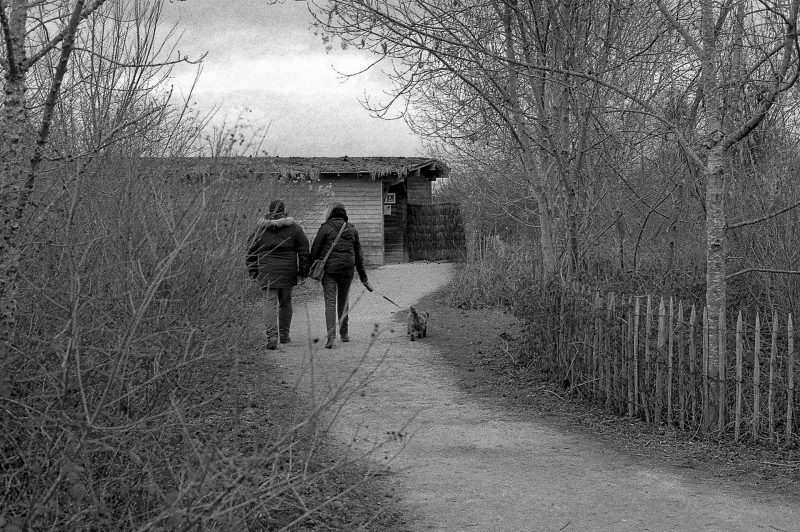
(278, 253)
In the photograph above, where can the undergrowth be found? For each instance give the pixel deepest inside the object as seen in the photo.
(122, 402)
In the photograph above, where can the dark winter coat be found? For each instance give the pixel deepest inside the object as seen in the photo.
(347, 253)
(278, 253)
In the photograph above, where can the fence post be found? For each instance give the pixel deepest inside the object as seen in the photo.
(587, 339)
(721, 329)
(562, 335)
(648, 325)
(659, 362)
(617, 354)
(706, 399)
(773, 358)
(598, 336)
(629, 358)
(757, 379)
(693, 362)
(739, 348)
(670, 354)
(574, 360)
(608, 345)
(681, 364)
(620, 353)
(586, 373)
(789, 380)
(636, 356)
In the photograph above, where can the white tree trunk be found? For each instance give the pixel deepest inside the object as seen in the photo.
(13, 155)
(716, 252)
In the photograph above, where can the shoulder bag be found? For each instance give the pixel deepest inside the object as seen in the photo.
(317, 269)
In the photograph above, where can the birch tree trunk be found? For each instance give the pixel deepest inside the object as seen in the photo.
(13, 156)
(716, 253)
(715, 196)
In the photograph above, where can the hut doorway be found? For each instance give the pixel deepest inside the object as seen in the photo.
(395, 201)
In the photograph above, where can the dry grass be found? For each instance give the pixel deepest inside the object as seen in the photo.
(123, 405)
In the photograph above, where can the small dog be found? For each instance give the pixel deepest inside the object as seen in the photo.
(417, 323)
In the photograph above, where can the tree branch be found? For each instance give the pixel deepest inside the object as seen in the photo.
(690, 41)
(49, 104)
(179, 60)
(10, 64)
(762, 218)
(47, 48)
(762, 270)
(110, 138)
(790, 45)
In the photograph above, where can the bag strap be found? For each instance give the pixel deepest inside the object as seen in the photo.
(335, 240)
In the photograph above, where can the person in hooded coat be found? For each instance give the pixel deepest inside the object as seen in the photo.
(345, 257)
(277, 255)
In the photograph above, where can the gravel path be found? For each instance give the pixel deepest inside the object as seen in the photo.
(460, 465)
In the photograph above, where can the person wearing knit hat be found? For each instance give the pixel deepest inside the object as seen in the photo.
(277, 255)
(345, 257)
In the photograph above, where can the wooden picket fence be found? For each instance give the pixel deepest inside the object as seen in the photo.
(648, 358)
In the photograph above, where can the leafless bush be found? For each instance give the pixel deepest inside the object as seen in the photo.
(134, 314)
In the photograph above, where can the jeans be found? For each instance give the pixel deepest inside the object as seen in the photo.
(336, 289)
(278, 312)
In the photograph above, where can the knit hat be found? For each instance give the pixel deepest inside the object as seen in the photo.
(276, 210)
(337, 210)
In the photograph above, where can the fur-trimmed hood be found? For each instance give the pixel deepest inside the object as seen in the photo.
(274, 225)
(277, 252)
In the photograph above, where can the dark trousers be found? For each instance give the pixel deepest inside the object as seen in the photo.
(336, 289)
(278, 311)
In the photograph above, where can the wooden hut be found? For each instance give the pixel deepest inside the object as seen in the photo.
(376, 191)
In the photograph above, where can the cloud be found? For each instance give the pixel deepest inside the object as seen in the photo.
(265, 58)
(297, 127)
(305, 74)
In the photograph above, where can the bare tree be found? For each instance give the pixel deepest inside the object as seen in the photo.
(20, 153)
(705, 73)
(739, 49)
(39, 44)
(535, 74)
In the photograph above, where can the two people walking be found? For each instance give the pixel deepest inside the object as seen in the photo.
(278, 255)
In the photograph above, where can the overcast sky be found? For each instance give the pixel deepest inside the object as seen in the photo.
(266, 59)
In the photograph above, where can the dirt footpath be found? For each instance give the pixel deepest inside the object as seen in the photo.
(461, 464)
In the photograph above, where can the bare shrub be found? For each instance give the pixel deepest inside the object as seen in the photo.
(134, 316)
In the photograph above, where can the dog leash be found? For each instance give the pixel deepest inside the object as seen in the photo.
(387, 299)
(390, 301)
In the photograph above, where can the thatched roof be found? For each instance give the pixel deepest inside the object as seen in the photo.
(393, 168)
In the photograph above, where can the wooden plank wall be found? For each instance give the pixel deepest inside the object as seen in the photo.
(363, 199)
(364, 203)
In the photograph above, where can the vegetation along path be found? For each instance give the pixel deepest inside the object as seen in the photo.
(460, 464)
